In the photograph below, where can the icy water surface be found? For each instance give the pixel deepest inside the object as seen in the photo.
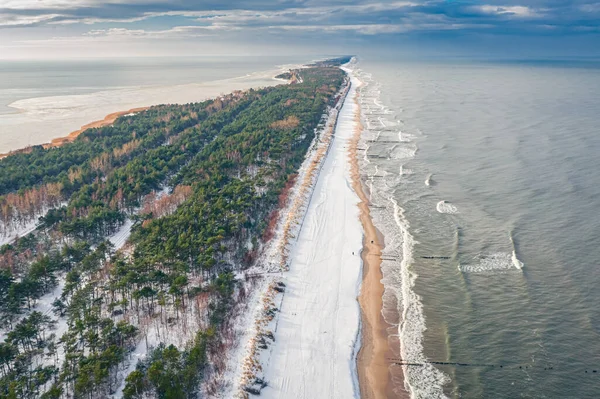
(42, 100)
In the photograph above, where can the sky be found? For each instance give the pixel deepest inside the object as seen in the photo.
(49, 29)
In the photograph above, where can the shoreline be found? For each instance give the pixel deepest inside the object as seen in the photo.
(59, 141)
(373, 366)
(98, 108)
(108, 120)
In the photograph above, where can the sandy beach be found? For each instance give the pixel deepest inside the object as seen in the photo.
(373, 364)
(108, 120)
(57, 142)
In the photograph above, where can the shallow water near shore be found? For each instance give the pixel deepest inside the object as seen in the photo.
(483, 179)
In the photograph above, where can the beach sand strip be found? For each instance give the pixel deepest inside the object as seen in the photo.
(373, 364)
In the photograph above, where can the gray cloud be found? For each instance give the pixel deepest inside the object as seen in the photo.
(328, 16)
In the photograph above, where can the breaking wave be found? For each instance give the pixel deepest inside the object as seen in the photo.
(399, 278)
(496, 261)
(515, 260)
(428, 180)
(446, 207)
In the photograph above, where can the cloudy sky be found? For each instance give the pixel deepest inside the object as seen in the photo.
(100, 28)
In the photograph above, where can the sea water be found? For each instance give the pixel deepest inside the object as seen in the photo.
(42, 100)
(484, 180)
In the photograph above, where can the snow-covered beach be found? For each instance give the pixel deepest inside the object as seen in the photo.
(316, 339)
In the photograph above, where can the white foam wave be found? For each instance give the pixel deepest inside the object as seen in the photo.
(515, 260)
(403, 152)
(428, 179)
(404, 137)
(398, 275)
(403, 172)
(426, 381)
(446, 207)
(496, 261)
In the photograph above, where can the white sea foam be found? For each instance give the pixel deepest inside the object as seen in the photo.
(428, 179)
(515, 260)
(491, 262)
(446, 207)
(402, 171)
(404, 138)
(398, 276)
(403, 153)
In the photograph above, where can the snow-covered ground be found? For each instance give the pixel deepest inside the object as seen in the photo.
(21, 231)
(44, 306)
(317, 329)
(120, 237)
(8, 234)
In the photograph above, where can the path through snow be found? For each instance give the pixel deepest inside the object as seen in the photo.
(315, 342)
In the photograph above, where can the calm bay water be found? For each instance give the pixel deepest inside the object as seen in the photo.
(30, 79)
(485, 183)
(42, 100)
